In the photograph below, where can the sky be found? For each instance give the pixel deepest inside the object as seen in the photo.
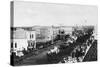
(46, 14)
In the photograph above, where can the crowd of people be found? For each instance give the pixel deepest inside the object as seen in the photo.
(75, 48)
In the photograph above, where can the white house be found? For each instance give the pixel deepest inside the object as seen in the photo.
(22, 39)
(19, 39)
(31, 38)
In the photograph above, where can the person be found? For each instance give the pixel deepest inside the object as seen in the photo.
(73, 53)
(77, 54)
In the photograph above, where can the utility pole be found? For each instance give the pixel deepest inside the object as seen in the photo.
(35, 39)
(52, 34)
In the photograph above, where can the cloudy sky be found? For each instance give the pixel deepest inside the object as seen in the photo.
(46, 14)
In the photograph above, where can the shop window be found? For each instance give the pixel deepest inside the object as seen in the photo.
(31, 44)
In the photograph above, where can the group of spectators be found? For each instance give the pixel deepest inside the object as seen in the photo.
(76, 50)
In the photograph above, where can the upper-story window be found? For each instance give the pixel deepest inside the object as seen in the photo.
(15, 45)
(31, 36)
(11, 45)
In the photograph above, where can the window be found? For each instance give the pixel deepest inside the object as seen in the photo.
(11, 45)
(32, 36)
(15, 45)
(31, 44)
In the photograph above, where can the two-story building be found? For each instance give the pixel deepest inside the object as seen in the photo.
(22, 39)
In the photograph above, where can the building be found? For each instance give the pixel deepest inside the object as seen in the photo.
(22, 40)
(31, 38)
(43, 33)
(18, 41)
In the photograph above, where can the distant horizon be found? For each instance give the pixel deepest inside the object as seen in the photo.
(55, 26)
